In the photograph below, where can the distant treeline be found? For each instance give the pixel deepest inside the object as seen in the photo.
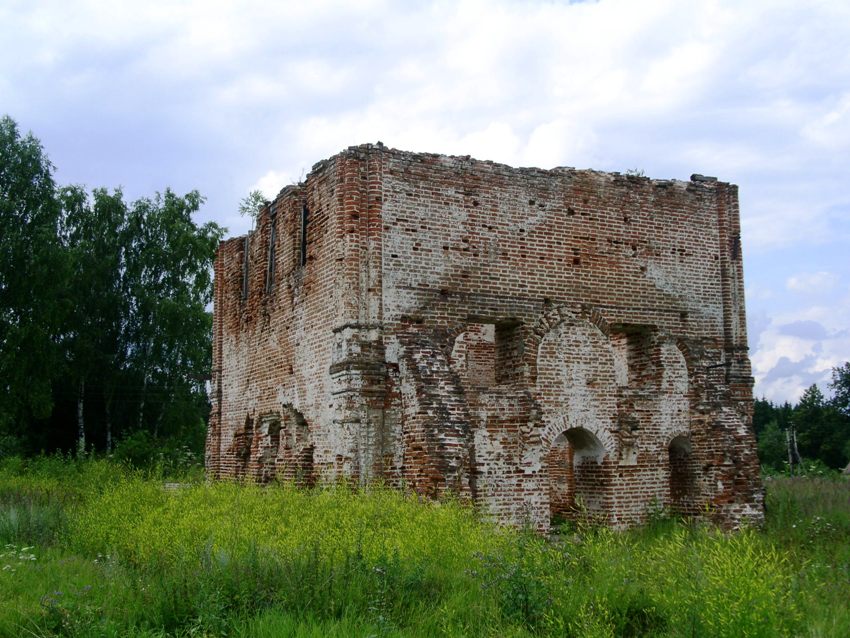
(816, 429)
(104, 322)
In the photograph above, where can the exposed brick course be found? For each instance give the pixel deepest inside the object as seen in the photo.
(550, 344)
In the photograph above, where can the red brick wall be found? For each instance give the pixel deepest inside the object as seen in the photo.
(456, 317)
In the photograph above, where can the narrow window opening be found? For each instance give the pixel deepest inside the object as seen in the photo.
(271, 255)
(245, 258)
(304, 220)
(474, 355)
(509, 352)
(489, 354)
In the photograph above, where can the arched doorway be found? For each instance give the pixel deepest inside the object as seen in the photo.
(578, 480)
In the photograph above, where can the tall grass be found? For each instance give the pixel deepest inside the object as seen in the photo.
(124, 557)
(809, 518)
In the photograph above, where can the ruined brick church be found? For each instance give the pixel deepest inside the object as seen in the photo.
(547, 343)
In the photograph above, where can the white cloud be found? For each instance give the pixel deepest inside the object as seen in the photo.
(800, 347)
(213, 93)
(832, 129)
(552, 143)
(760, 293)
(812, 283)
(272, 183)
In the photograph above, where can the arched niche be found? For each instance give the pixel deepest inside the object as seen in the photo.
(578, 477)
(576, 384)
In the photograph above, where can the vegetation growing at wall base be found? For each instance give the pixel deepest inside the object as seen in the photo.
(94, 550)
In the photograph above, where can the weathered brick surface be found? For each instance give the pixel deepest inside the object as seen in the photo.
(547, 343)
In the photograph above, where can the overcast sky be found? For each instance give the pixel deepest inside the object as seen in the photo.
(225, 97)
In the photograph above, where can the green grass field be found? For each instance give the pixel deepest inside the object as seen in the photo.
(91, 549)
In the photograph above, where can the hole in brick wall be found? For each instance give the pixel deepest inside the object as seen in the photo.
(246, 259)
(486, 354)
(295, 460)
(305, 220)
(509, 352)
(268, 435)
(576, 261)
(570, 211)
(474, 354)
(683, 477)
(241, 447)
(577, 477)
(270, 257)
(531, 202)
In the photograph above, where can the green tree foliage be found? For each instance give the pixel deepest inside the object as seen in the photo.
(32, 271)
(821, 425)
(772, 449)
(95, 234)
(764, 412)
(168, 284)
(821, 429)
(104, 322)
(840, 386)
(251, 205)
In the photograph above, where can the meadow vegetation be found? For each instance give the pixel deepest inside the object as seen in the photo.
(90, 548)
